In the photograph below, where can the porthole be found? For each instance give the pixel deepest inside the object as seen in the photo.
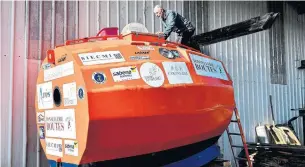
(57, 96)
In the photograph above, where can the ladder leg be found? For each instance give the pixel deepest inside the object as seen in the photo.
(230, 141)
(241, 134)
(243, 137)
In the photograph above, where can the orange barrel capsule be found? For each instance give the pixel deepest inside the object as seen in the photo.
(106, 100)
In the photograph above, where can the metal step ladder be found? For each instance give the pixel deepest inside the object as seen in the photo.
(241, 134)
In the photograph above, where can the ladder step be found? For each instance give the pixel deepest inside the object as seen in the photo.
(237, 146)
(245, 159)
(234, 121)
(237, 134)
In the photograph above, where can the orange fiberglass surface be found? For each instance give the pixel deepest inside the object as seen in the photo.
(119, 96)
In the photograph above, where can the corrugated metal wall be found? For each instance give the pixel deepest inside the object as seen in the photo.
(292, 96)
(248, 60)
(28, 29)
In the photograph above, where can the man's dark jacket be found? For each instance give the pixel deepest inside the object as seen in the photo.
(174, 22)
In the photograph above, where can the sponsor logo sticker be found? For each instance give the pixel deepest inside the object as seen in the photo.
(208, 67)
(71, 147)
(177, 72)
(41, 132)
(45, 95)
(80, 93)
(62, 58)
(145, 47)
(54, 147)
(139, 57)
(69, 91)
(59, 71)
(99, 77)
(60, 123)
(142, 52)
(40, 117)
(101, 57)
(152, 74)
(46, 66)
(125, 73)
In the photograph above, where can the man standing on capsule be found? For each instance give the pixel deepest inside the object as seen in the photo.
(174, 22)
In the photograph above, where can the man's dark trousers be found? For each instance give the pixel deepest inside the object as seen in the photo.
(185, 38)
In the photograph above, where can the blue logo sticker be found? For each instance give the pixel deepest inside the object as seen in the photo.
(41, 132)
(80, 93)
(99, 77)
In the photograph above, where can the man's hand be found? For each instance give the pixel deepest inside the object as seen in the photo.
(160, 33)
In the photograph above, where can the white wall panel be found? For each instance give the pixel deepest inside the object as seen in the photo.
(6, 88)
(13, 60)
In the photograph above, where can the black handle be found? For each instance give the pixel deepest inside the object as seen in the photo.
(271, 106)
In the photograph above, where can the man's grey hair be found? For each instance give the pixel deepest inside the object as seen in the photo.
(157, 7)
